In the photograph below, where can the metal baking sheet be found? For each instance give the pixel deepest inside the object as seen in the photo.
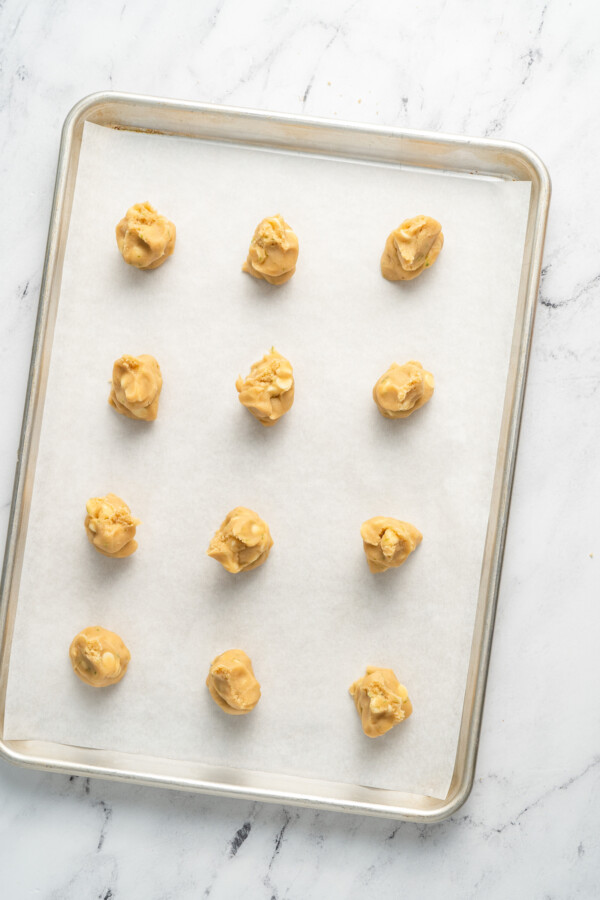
(377, 146)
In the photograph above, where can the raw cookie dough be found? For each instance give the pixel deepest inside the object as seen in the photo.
(381, 701)
(402, 389)
(388, 542)
(136, 386)
(144, 237)
(268, 391)
(110, 527)
(411, 248)
(232, 683)
(99, 657)
(242, 542)
(273, 251)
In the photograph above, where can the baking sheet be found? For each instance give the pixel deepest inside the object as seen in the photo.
(313, 617)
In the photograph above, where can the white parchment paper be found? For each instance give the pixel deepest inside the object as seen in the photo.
(313, 617)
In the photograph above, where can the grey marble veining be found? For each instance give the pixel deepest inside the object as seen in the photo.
(527, 72)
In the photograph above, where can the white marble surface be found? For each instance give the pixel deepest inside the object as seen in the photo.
(527, 72)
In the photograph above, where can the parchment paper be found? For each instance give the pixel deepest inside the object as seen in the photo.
(313, 617)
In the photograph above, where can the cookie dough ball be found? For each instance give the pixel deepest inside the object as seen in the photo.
(411, 248)
(273, 251)
(110, 527)
(402, 389)
(232, 683)
(242, 542)
(136, 386)
(268, 391)
(99, 657)
(388, 542)
(144, 237)
(381, 701)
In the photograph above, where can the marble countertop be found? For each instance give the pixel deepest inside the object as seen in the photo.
(523, 72)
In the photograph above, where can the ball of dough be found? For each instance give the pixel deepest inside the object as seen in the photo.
(381, 701)
(144, 237)
(242, 542)
(110, 527)
(268, 391)
(136, 386)
(273, 251)
(403, 389)
(99, 657)
(388, 542)
(411, 248)
(232, 683)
